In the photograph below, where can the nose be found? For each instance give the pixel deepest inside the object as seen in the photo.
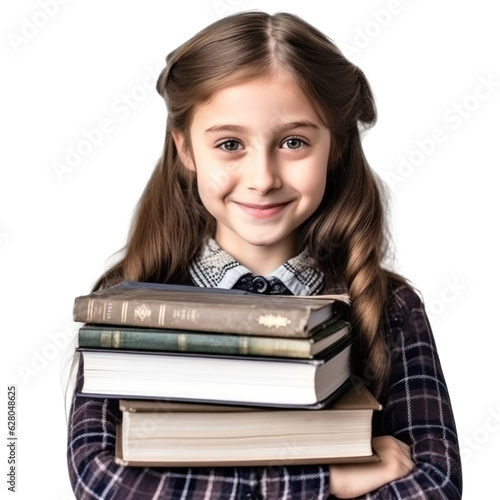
(262, 173)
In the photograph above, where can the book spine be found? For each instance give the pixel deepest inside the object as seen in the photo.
(186, 316)
(142, 339)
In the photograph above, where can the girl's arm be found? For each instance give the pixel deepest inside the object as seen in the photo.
(417, 411)
(95, 475)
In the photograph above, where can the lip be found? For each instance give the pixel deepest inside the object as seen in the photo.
(262, 211)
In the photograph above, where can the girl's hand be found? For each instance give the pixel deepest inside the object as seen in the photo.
(348, 481)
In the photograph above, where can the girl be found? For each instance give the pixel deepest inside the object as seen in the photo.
(263, 186)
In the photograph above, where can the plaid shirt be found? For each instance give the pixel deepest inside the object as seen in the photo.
(417, 410)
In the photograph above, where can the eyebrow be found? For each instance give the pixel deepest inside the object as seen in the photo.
(281, 128)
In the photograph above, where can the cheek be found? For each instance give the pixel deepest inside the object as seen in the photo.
(214, 177)
(214, 183)
(311, 183)
(316, 191)
(315, 181)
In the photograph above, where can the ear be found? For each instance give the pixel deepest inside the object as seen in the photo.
(185, 156)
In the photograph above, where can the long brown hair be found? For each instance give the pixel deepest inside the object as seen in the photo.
(347, 233)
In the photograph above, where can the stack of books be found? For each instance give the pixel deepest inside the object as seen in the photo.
(217, 377)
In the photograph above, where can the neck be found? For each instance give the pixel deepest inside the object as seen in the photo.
(259, 259)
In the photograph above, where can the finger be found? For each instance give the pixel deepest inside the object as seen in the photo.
(404, 446)
(409, 465)
(406, 458)
(382, 443)
(406, 450)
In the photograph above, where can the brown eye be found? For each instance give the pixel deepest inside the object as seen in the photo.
(231, 145)
(294, 143)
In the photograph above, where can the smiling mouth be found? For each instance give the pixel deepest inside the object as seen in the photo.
(257, 211)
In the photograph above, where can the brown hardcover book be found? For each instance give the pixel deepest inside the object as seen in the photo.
(155, 433)
(207, 309)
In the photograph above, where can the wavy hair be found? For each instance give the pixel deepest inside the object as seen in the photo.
(347, 233)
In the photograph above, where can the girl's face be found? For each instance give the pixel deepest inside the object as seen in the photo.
(260, 152)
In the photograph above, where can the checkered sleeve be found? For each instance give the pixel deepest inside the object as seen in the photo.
(417, 409)
(95, 475)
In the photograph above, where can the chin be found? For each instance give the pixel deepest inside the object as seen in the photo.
(260, 242)
(265, 241)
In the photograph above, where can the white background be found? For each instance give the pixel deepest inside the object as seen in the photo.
(65, 72)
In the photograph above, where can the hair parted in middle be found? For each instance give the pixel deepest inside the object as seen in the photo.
(347, 233)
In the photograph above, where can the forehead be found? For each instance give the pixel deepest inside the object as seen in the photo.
(264, 101)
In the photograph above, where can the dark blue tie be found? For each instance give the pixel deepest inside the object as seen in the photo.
(264, 286)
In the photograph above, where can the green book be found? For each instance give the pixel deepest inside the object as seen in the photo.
(130, 338)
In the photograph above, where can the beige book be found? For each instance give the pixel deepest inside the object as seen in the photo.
(173, 434)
